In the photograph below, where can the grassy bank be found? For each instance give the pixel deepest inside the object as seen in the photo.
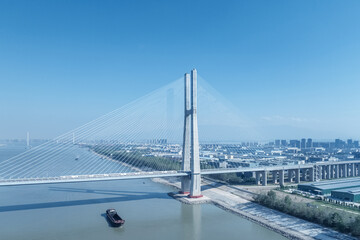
(338, 220)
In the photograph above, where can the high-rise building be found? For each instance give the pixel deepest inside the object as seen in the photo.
(303, 143)
(339, 143)
(294, 143)
(349, 143)
(277, 143)
(309, 143)
(283, 143)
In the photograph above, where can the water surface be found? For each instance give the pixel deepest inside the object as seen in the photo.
(76, 211)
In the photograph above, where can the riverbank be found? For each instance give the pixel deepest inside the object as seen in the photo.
(79, 209)
(238, 201)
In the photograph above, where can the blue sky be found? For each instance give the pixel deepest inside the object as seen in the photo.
(291, 67)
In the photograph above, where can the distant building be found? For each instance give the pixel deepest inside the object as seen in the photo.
(294, 143)
(283, 143)
(303, 143)
(277, 143)
(339, 143)
(315, 159)
(158, 141)
(309, 143)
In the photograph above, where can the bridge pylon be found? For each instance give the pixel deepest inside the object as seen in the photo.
(191, 160)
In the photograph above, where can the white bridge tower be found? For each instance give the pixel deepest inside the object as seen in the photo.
(191, 161)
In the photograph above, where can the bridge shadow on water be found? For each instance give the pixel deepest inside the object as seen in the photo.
(122, 196)
(97, 191)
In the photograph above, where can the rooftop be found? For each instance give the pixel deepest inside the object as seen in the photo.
(354, 190)
(332, 184)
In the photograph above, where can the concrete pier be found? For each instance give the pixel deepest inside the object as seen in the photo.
(297, 175)
(311, 174)
(281, 178)
(264, 178)
(275, 177)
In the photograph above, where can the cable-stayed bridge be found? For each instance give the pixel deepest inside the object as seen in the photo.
(157, 136)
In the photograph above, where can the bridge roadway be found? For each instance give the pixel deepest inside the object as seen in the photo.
(91, 178)
(304, 172)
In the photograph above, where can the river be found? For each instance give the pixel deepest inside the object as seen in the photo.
(76, 211)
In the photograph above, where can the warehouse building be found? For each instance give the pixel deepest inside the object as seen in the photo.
(349, 194)
(325, 187)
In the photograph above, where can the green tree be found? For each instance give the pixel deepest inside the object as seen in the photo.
(287, 201)
(272, 195)
(336, 220)
(355, 227)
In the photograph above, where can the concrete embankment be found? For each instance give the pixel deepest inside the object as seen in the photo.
(238, 201)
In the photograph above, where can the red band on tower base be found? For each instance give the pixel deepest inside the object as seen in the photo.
(181, 192)
(198, 196)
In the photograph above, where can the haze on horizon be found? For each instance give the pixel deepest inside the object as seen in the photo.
(290, 68)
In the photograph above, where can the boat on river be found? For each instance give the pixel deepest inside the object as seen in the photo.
(114, 218)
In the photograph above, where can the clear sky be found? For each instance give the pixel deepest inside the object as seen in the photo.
(291, 67)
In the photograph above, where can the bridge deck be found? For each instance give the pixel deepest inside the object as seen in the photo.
(91, 178)
(154, 174)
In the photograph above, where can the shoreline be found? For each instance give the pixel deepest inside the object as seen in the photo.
(227, 199)
(236, 202)
(268, 225)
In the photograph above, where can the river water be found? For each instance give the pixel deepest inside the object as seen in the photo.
(76, 211)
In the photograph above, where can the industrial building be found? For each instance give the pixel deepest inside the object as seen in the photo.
(349, 194)
(325, 187)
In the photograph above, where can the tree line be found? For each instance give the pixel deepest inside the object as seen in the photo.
(338, 220)
(139, 159)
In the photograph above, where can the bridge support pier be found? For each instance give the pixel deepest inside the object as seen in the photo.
(297, 175)
(290, 175)
(345, 170)
(274, 176)
(342, 170)
(195, 188)
(281, 178)
(185, 184)
(264, 178)
(328, 172)
(257, 178)
(311, 174)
